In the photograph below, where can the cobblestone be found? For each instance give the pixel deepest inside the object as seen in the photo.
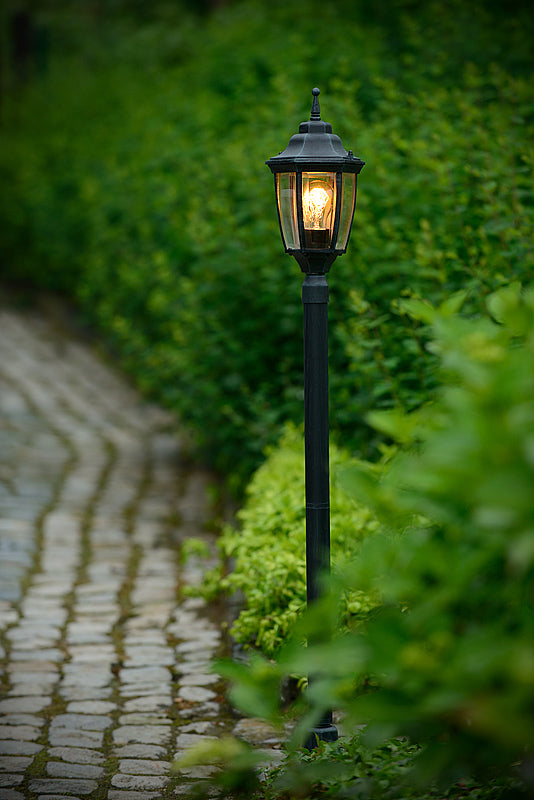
(105, 665)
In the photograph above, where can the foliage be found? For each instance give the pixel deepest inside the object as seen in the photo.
(442, 224)
(351, 768)
(447, 658)
(133, 178)
(266, 551)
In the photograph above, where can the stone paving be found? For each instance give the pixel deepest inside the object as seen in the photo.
(105, 661)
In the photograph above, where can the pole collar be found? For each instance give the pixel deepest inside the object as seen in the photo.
(315, 289)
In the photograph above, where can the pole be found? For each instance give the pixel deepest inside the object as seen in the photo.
(315, 313)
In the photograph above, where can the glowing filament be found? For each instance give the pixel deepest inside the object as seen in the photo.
(314, 203)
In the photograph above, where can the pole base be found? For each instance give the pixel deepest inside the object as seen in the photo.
(322, 733)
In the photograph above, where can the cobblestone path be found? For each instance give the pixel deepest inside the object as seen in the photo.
(105, 662)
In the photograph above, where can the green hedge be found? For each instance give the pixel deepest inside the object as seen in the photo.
(133, 178)
(263, 558)
(446, 660)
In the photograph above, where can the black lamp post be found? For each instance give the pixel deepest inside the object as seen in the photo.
(315, 182)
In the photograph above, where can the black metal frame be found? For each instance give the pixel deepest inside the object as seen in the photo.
(315, 149)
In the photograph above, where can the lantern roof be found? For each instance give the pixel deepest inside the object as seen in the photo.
(315, 147)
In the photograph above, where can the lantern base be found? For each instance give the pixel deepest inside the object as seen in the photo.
(317, 238)
(315, 263)
(322, 733)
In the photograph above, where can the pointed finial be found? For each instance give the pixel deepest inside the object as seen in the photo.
(315, 110)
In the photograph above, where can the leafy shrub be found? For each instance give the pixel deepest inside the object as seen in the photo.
(447, 659)
(433, 217)
(266, 551)
(349, 768)
(353, 768)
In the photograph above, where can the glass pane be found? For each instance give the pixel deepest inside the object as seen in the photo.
(286, 192)
(318, 208)
(348, 196)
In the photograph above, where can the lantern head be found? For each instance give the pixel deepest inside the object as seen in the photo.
(315, 182)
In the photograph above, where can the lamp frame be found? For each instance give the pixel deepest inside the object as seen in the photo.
(315, 149)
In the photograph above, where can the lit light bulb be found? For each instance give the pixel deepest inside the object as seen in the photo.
(314, 202)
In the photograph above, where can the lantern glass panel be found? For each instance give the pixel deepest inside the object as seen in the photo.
(286, 196)
(318, 208)
(348, 198)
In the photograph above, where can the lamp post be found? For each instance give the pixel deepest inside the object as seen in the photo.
(315, 183)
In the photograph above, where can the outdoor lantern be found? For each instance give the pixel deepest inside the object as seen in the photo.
(315, 182)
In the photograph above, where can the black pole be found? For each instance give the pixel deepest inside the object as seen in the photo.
(315, 312)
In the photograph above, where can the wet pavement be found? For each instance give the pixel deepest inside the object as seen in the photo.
(105, 659)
